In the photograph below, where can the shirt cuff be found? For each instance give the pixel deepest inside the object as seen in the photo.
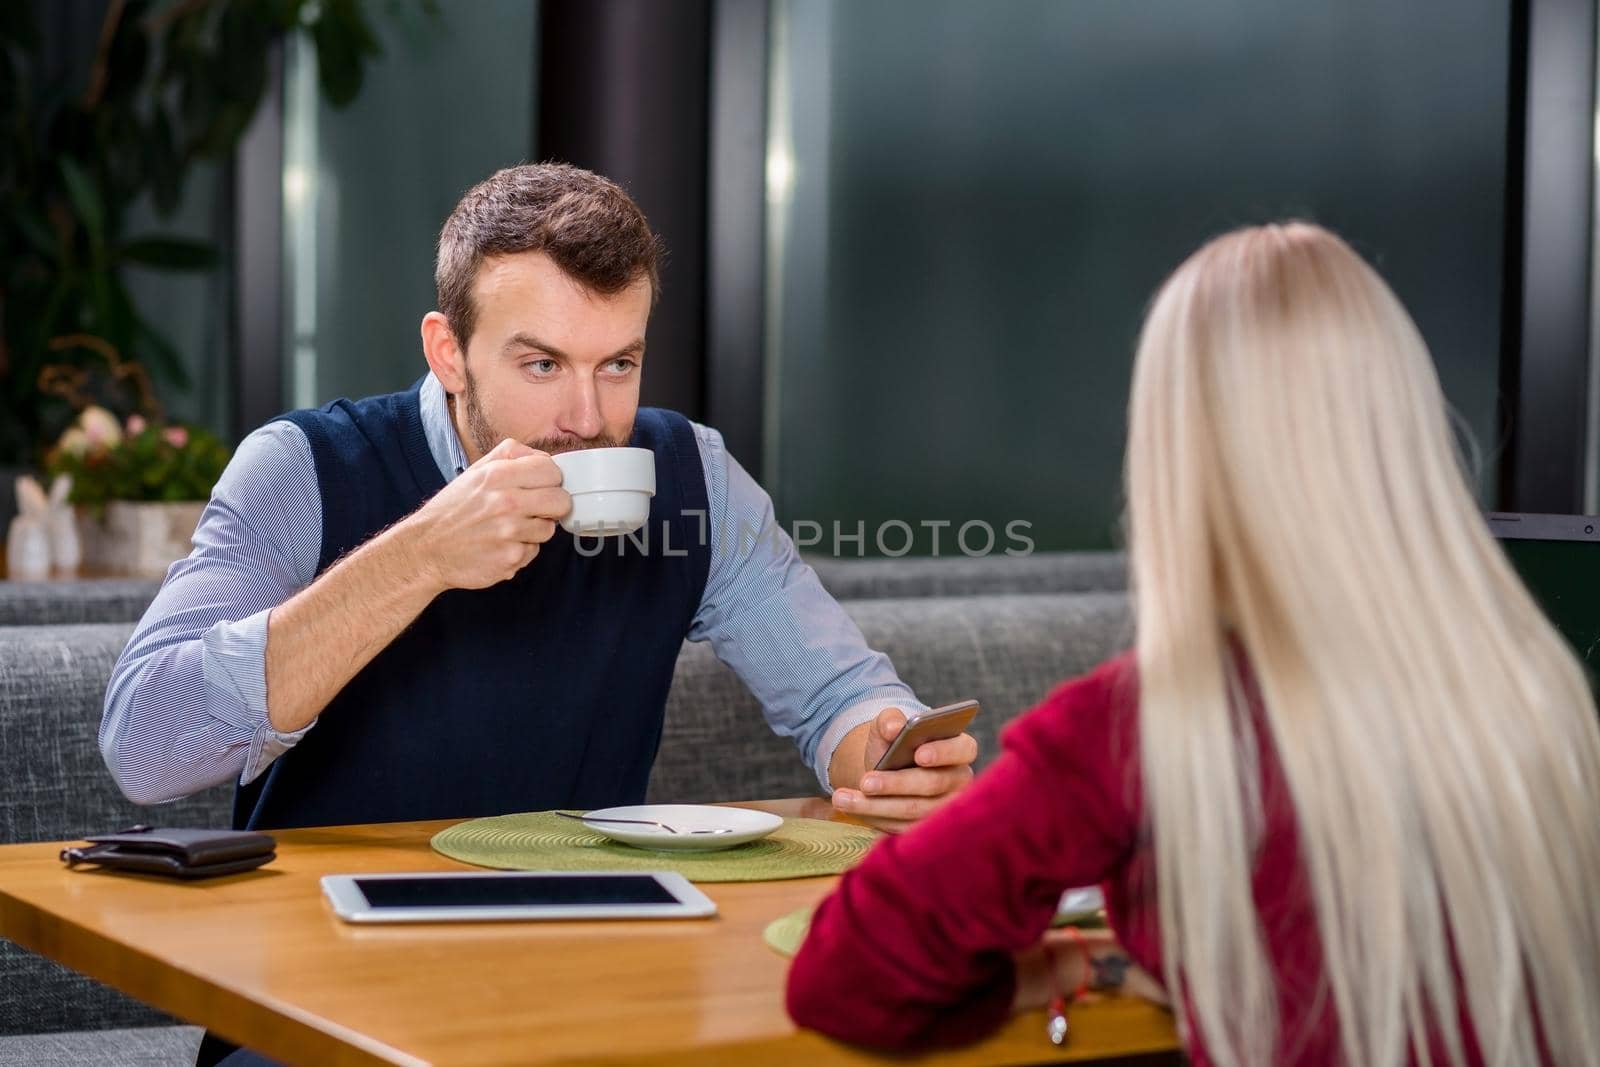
(851, 717)
(235, 660)
(267, 745)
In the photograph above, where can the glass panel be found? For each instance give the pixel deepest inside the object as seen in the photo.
(367, 188)
(190, 310)
(971, 204)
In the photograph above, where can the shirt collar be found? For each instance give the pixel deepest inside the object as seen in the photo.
(440, 429)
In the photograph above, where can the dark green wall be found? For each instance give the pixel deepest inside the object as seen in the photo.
(986, 196)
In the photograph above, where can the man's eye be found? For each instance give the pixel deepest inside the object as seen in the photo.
(622, 365)
(541, 366)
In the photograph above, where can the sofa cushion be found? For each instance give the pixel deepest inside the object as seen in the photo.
(1040, 572)
(52, 690)
(52, 687)
(1006, 651)
(151, 1046)
(125, 599)
(79, 600)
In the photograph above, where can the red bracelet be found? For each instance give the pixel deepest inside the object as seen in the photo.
(1076, 937)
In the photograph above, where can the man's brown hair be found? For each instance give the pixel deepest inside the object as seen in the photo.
(592, 230)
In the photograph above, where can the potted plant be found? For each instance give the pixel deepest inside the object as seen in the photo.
(140, 486)
(169, 83)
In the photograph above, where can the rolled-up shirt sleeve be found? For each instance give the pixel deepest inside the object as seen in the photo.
(768, 617)
(187, 704)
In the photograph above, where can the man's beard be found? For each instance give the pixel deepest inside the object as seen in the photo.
(485, 437)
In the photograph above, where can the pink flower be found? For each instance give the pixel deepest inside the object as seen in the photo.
(136, 424)
(176, 436)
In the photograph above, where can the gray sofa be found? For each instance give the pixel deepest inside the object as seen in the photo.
(52, 683)
(59, 603)
(124, 599)
(1040, 572)
(1005, 650)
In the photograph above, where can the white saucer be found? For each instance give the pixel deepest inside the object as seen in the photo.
(741, 824)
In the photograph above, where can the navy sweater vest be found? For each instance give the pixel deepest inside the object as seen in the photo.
(544, 691)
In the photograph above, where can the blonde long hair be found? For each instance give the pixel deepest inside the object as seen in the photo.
(1294, 495)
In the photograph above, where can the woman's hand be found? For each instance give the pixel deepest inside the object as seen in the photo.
(1070, 955)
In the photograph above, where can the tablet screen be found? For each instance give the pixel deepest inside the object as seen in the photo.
(528, 890)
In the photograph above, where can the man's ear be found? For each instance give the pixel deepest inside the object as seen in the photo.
(446, 358)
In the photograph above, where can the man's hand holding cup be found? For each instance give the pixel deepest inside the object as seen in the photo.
(491, 521)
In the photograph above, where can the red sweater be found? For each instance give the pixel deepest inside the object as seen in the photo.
(915, 946)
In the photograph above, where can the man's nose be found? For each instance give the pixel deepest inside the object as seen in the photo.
(582, 415)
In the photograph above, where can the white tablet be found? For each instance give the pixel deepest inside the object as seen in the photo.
(505, 895)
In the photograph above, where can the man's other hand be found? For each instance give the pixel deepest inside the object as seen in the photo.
(893, 800)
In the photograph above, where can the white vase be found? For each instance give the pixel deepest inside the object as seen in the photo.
(137, 538)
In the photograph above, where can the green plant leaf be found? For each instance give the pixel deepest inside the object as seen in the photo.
(227, 126)
(355, 16)
(166, 168)
(338, 63)
(243, 40)
(184, 40)
(37, 232)
(281, 15)
(198, 101)
(124, 147)
(105, 291)
(343, 38)
(170, 253)
(85, 200)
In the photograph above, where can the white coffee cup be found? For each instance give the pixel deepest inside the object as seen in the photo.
(611, 489)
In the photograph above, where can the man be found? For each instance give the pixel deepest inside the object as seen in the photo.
(382, 621)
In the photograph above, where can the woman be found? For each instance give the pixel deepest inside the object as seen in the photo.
(1345, 792)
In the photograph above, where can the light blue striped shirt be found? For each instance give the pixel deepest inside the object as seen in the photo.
(187, 708)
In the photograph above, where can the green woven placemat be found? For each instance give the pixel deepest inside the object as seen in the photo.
(784, 935)
(543, 841)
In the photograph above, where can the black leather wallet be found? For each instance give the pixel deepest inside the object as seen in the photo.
(176, 853)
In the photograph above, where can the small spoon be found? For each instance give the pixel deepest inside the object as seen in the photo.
(643, 822)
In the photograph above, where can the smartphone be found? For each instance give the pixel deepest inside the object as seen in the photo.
(935, 724)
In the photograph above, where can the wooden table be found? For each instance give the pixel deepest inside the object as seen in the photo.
(261, 959)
